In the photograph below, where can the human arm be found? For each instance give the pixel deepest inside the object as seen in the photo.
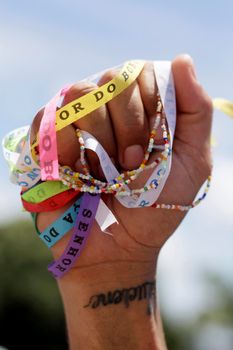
(128, 258)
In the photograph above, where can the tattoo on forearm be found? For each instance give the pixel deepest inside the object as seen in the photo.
(125, 296)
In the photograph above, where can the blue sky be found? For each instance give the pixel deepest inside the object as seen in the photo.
(45, 44)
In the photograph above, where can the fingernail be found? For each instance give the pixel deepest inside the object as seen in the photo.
(133, 157)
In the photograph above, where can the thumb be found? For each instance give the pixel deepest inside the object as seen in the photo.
(191, 97)
(194, 106)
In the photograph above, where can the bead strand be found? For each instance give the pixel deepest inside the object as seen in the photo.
(116, 186)
(133, 174)
(82, 152)
(87, 183)
(185, 207)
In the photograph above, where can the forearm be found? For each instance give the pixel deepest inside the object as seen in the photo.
(107, 309)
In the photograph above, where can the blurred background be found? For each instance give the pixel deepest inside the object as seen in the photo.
(48, 43)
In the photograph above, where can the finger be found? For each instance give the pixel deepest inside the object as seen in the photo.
(96, 123)
(67, 142)
(130, 123)
(148, 90)
(194, 106)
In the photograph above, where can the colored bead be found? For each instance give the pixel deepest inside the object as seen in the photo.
(86, 183)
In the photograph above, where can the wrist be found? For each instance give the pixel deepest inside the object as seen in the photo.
(112, 303)
(103, 278)
(110, 272)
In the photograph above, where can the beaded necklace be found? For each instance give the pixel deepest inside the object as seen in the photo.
(85, 182)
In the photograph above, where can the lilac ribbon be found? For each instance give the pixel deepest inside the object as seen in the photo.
(81, 231)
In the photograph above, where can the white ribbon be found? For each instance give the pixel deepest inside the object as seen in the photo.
(30, 172)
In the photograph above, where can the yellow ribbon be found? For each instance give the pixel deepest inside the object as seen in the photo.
(224, 106)
(88, 103)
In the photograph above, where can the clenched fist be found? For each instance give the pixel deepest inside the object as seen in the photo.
(123, 126)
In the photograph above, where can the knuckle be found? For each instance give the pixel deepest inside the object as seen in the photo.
(108, 75)
(148, 69)
(78, 90)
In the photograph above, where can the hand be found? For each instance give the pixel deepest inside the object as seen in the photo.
(123, 127)
(128, 258)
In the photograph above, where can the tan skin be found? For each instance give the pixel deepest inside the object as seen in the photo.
(131, 252)
(146, 227)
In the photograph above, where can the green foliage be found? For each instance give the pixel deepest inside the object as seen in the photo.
(178, 337)
(29, 299)
(219, 312)
(30, 304)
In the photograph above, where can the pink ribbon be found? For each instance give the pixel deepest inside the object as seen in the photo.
(48, 138)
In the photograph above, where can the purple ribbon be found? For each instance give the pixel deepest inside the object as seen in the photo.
(81, 231)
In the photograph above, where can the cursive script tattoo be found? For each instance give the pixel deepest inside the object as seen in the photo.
(125, 296)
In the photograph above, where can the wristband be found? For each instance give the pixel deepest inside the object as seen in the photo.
(24, 171)
(50, 204)
(81, 231)
(43, 191)
(53, 233)
(157, 179)
(48, 139)
(86, 104)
